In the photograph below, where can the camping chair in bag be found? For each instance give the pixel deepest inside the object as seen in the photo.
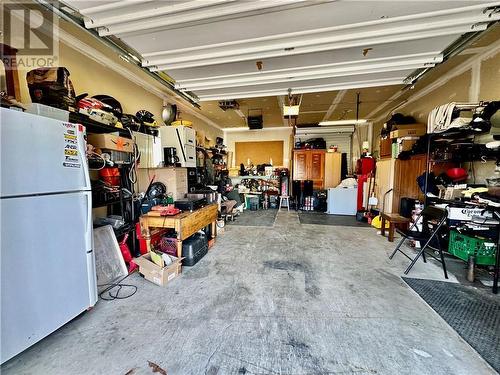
(433, 219)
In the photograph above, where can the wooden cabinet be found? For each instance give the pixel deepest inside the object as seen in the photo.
(385, 149)
(333, 165)
(401, 176)
(300, 166)
(309, 165)
(317, 166)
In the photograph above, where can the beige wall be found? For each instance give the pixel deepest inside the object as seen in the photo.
(209, 130)
(284, 135)
(91, 74)
(490, 79)
(90, 77)
(457, 89)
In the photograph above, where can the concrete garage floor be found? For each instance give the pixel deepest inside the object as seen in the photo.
(289, 299)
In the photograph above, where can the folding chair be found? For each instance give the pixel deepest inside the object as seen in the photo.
(433, 219)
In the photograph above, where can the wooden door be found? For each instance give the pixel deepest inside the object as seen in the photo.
(300, 165)
(333, 162)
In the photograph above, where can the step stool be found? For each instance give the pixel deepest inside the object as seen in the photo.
(284, 198)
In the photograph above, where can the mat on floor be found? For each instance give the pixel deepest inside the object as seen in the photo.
(474, 314)
(259, 218)
(320, 218)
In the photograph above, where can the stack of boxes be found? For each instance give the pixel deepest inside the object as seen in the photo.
(405, 137)
(401, 139)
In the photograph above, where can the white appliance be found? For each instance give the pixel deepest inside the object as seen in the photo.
(342, 201)
(47, 263)
(150, 148)
(183, 138)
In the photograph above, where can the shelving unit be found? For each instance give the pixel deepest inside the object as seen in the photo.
(96, 127)
(118, 205)
(457, 133)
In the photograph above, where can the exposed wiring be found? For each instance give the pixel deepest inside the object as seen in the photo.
(132, 174)
(108, 294)
(100, 157)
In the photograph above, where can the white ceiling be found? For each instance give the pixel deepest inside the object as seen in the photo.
(211, 47)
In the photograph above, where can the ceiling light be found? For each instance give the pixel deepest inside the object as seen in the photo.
(342, 122)
(237, 129)
(346, 129)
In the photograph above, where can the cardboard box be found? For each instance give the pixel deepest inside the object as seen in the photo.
(156, 274)
(466, 214)
(402, 144)
(394, 150)
(385, 147)
(415, 130)
(451, 192)
(111, 142)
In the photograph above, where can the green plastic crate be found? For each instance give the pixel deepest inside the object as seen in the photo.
(462, 246)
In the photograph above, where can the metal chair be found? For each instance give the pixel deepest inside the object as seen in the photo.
(433, 219)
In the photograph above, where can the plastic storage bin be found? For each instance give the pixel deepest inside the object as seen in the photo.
(462, 246)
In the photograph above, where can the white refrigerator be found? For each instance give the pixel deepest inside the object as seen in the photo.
(47, 263)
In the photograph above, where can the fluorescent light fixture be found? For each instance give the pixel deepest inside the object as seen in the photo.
(345, 129)
(236, 129)
(271, 128)
(343, 122)
(291, 110)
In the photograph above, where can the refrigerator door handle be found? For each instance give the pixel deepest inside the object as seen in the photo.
(89, 236)
(82, 146)
(88, 225)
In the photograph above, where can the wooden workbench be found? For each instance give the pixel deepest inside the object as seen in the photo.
(185, 224)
